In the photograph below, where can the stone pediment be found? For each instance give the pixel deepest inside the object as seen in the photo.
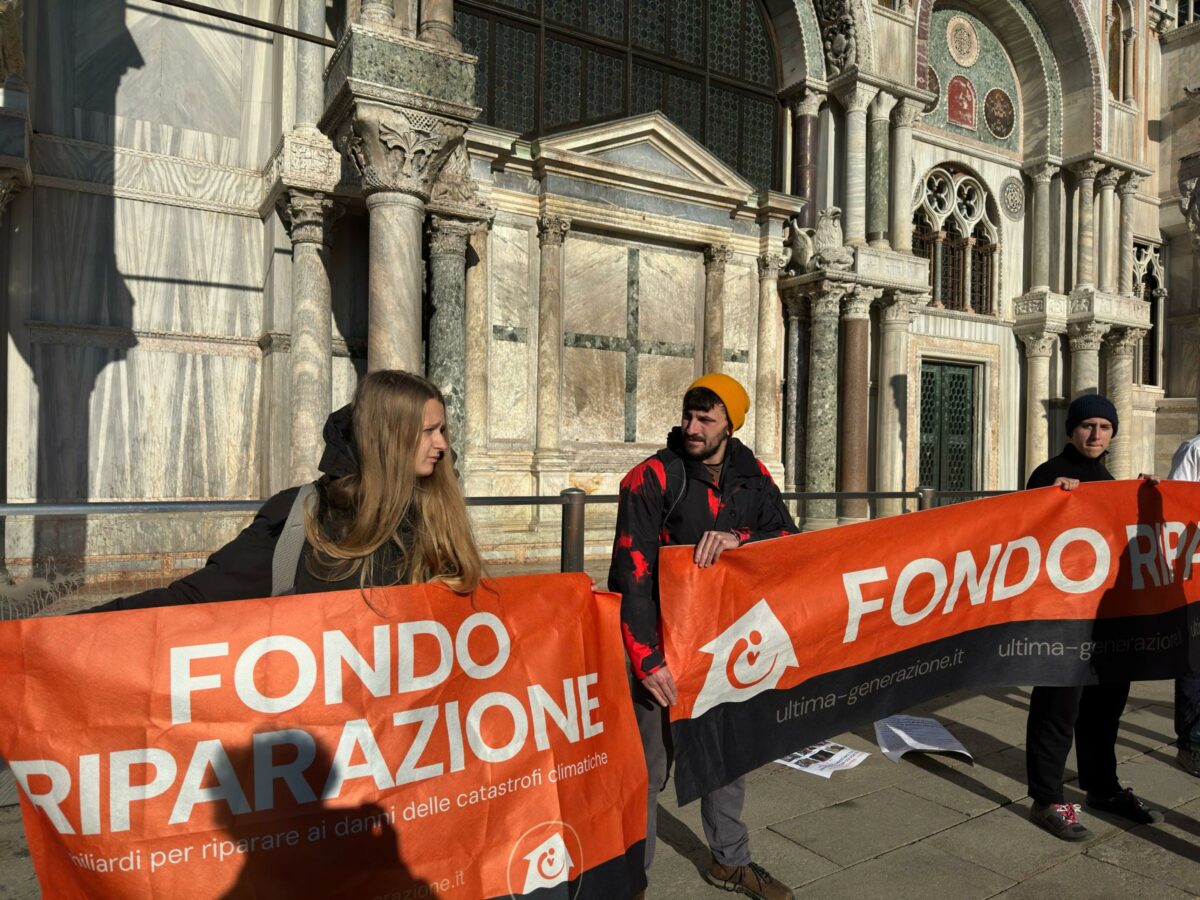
(649, 151)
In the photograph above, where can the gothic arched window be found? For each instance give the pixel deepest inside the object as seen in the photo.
(709, 65)
(954, 229)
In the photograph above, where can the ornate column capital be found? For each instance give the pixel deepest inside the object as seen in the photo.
(448, 237)
(308, 217)
(1039, 343)
(907, 112)
(1124, 341)
(882, 106)
(552, 229)
(1109, 178)
(856, 96)
(1087, 335)
(795, 303)
(897, 309)
(1088, 169)
(1042, 173)
(1129, 35)
(398, 150)
(715, 257)
(769, 265)
(856, 304)
(826, 304)
(807, 103)
(1130, 184)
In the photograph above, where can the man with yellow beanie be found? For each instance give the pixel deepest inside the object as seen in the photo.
(705, 488)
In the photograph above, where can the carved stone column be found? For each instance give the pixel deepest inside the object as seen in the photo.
(1038, 348)
(766, 381)
(398, 153)
(805, 132)
(901, 203)
(552, 230)
(308, 218)
(855, 412)
(1122, 345)
(1128, 36)
(1085, 339)
(437, 24)
(1106, 237)
(879, 137)
(377, 13)
(856, 98)
(1126, 189)
(446, 359)
(715, 258)
(475, 316)
(795, 434)
(896, 313)
(1042, 175)
(310, 66)
(1085, 260)
(821, 461)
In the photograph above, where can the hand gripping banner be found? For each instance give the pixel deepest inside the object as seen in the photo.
(787, 642)
(424, 745)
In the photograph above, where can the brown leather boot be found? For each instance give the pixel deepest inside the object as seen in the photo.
(752, 880)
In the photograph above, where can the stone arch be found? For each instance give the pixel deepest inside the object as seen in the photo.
(1066, 27)
(796, 25)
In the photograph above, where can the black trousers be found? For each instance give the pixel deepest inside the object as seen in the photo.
(1092, 716)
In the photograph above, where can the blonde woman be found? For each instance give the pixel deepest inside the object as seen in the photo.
(387, 510)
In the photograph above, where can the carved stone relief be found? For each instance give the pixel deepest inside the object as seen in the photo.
(398, 150)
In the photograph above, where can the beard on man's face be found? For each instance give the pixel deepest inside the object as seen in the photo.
(698, 448)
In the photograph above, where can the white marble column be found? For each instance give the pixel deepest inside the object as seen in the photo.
(1086, 339)
(1085, 257)
(437, 24)
(1126, 190)
(901, 204)
(310, 66)
(715, 258)
(377, 13)
(1106, 237)
(892, 440)
(552, 230)
(308, 218)
(1042, 175)
(879, 137)
(477, 334)
(855, 99)
(1122, 344)
(1128, 38)
(1039, 346)
(767, 401)
(395, 276)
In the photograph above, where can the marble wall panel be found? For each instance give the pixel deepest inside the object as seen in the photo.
(511, 274)
(595, 285)
(511, 403)
(146, 266)
(512, 356)
(670, 294)
(662, 381)
(741, 309)
(593, 397)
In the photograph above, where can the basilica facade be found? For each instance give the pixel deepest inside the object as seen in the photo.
(914, 229)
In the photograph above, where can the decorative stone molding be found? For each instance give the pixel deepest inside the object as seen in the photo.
(308, 159)
(552, 230)
(448, 237)
(716, 256)
(1124, 341)
(1012, 198)
(398, 150)
(1039, 344)
(769, 265)
(308, 217)
(1087, 335)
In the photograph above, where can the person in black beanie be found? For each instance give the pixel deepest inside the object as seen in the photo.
(1091, 714)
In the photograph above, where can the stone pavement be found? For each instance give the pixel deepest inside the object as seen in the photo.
(928, 826)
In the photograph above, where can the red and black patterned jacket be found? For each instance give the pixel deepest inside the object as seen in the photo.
(650, 516)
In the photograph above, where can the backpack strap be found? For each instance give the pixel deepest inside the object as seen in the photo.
(676, 486)
(288, 548)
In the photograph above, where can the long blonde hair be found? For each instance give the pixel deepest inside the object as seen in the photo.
(424, 518)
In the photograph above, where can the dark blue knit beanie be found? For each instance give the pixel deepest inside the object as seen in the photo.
(1091, 406)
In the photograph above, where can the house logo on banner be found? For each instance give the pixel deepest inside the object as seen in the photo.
(749, 657)
(541, 858)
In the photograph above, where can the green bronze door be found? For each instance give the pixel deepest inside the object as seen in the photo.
(947, 426)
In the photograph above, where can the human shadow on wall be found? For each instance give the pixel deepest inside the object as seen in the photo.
(338, 851)
(81, 310)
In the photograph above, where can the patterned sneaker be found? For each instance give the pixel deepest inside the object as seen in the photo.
(1127, 805)
(752, 880)
(1060, 819)
(1189, 760)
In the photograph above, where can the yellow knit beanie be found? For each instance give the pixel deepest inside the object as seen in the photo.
(732, 394)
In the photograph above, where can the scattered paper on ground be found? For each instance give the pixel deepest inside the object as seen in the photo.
(898, 735)
(824, 759)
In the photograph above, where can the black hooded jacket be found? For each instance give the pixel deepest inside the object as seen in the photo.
(241, 570)
(670, 499)
(1069, 464)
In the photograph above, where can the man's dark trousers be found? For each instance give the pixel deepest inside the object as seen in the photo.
(720, 810)
(1095, 713)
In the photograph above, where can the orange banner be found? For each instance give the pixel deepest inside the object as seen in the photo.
(799, 638)
(406, 742)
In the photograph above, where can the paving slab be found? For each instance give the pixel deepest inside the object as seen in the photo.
(1158, 781)
(868, 826)
(1167, 852)
(992, 782)
(916, 872)
(1084, 876)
